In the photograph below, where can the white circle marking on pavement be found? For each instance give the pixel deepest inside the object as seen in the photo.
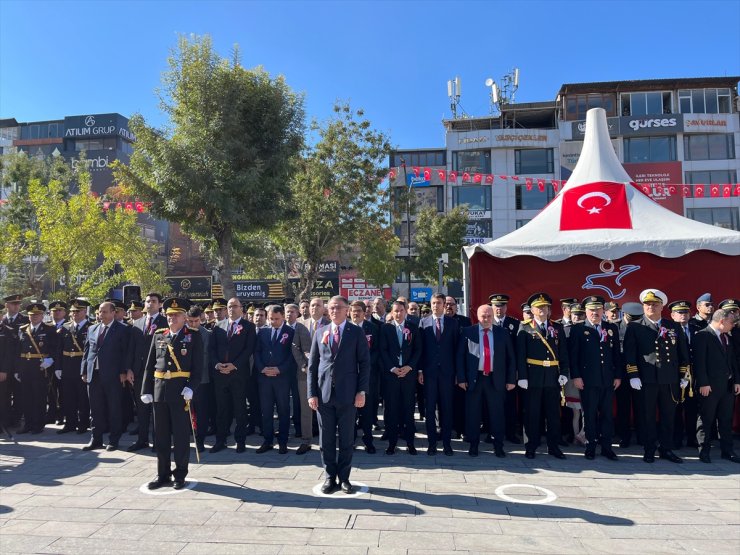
(167, 490)
(360, 489)
(549, 495)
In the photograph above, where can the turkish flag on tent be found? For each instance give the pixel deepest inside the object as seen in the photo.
(600, 205)
(442, 175)
(417, 170)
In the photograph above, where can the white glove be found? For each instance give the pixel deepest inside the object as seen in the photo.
(684, 383)
(47, 362)
(524, 384)
(636, 383)
(147, 398)
(187, 393)
(562, 380)
(58, 374)
(17, 377)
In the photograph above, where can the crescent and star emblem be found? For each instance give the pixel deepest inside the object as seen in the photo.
(595, 194)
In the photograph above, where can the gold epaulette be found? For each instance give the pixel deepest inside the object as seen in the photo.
(631, 368)
(527, 321)
(24, 326)
(161, 330)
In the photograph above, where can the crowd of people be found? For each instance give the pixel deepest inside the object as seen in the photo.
(225, 372)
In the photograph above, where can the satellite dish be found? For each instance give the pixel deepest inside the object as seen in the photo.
(489, 82)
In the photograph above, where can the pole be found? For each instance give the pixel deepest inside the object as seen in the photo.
(408, 227)
(192, 427)
(441, 265)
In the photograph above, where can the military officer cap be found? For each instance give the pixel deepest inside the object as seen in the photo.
(611, 305)
(118, 304)
(219, 303)
(136, 305)
(13, 298)
(78, 304)
(653, 296)
(729, 304)
(251, 309)
(58, 305)
(577, 308)
(498, 299)
(526, 307)
(35, 308)
(208, 308)
(593, 301)
(705, 298)
(568, 301)
(679, 306)
(539, 299)
(633, 309)
(175, 305)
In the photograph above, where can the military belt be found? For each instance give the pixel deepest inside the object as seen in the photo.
(168, 375)
(32, 355)
(72, 353)
(545, 363)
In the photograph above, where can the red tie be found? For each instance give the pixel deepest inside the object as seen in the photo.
(148, 325)
(438, 330)
(335, 342)
(486, 354)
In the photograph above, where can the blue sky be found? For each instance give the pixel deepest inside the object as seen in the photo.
(391, 58)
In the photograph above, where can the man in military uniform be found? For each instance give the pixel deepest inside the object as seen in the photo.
(687, 409)
(596, 370)
(13, 319)
(36, 352)
(54, 409)
(173, 370)
(629, 401)
(704, 308)
(565, 308)
(542, 368)
(135, 310)
(611, 313)
(514, 400)
(8, 346)
(210, 316)
(657, 359)
(71, 339)
(220, 309)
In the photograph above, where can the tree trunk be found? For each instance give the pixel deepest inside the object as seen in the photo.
(310, 275)
(225, 253)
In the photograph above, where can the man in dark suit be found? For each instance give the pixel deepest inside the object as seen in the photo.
(68, 363)
(233, 346)
(8, 352)
(301, 350)
(357, 313)
(173, 369)
(439, 336)
(400, 352)
(687, 410)
(338, 379)
(13, 319)
(104, 371)
(718, 382)
(458, 397)
(514, 399)
(202, 393)
(542, 368)
(275, 366)
(596, 371)
(486, 368)
(657, 360)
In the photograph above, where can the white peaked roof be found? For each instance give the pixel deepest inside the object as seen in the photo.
(654, 229)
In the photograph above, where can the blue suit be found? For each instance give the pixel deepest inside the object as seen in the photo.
(103, 363)
(491, 387)
(336, 379)
(275, 390)
(438, 368)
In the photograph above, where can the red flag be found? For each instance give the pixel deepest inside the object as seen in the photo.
(659, 189)
(442, 175)
(504, 177)
(672, 189)
(555, 185)
(600, 205)
(106, 205)
(392, 174)
(427, 174)
(541, 185)
(528, 181)
(698, 191)
(452, 176)
(477, 178)
(139, 206)
(686, 191)
(714, 190)
(515, 177)
(417, 170)
(489, 179)
(119, 206)
(646, 189)
(726, 190)
(737, 189)
(466, 177)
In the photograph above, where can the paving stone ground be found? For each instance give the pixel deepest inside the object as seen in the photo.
(55, 498)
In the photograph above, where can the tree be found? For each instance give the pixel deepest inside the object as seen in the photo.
(436, 234)
(377, 262)
(222, 168)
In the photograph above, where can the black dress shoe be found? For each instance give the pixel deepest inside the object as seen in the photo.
(431, 450)
(609, 454)
(557, 453)
(732, 457)
(391, 450)
(670, 456)
(138, 446)
(347, 487)
(411, 450)
(384, 437)
(529, 454)
(590, 454)
(499, 452)
(218, 447)
(370, 449)
(282, 449)
(473, 451)
(81, 430)
(65, 430)
(448, 450)
(240, 448)
(329, 486)
(179, 484)
(305, 448)
(649, 457)
(264, 448)
(624, 443)
(704, 456)
(159, 483)
(111, 447)
(93, 445)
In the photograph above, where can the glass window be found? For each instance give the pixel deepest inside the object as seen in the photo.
(533, 161)
(638, 104)
(402, 233)
(522, 223)
(710, 98)
(650, 149)
(711, 176)
(723, 101)
(534, 199)
(654, 103)
(726, 217)
(576, 105)
(716, 146)
(473, 161)
(35, 131)
(477, 197)
(697, 101)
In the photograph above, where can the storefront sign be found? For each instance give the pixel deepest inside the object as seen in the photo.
(97, 125)
(194, 288)
(578, 128)
(661, 179)
(421, 294)
(357, 289)
(259, 290)
(667, 124)
(709, 123)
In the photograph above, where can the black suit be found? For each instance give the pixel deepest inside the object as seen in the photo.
(141, 340)
(398, 393)
(687, 411)
(234, 344)
(275, 391)
(514, 400)
(368, 413)
(458, 396)
(715, 366)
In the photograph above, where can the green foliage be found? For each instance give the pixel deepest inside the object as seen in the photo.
(377, 262)
(436, 234)
(222, 168)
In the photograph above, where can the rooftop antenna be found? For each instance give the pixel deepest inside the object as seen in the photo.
(503, 93)
(454, 90)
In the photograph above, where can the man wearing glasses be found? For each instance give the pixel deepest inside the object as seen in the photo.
(704, 309)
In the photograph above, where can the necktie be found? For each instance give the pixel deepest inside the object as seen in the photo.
(486, 354)
(400, 345)
(438, 329)
(688, 335)
(231, 329)
(101, 336)
(724, 340)
(274, 335)
(148, 327)
(335, 341)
